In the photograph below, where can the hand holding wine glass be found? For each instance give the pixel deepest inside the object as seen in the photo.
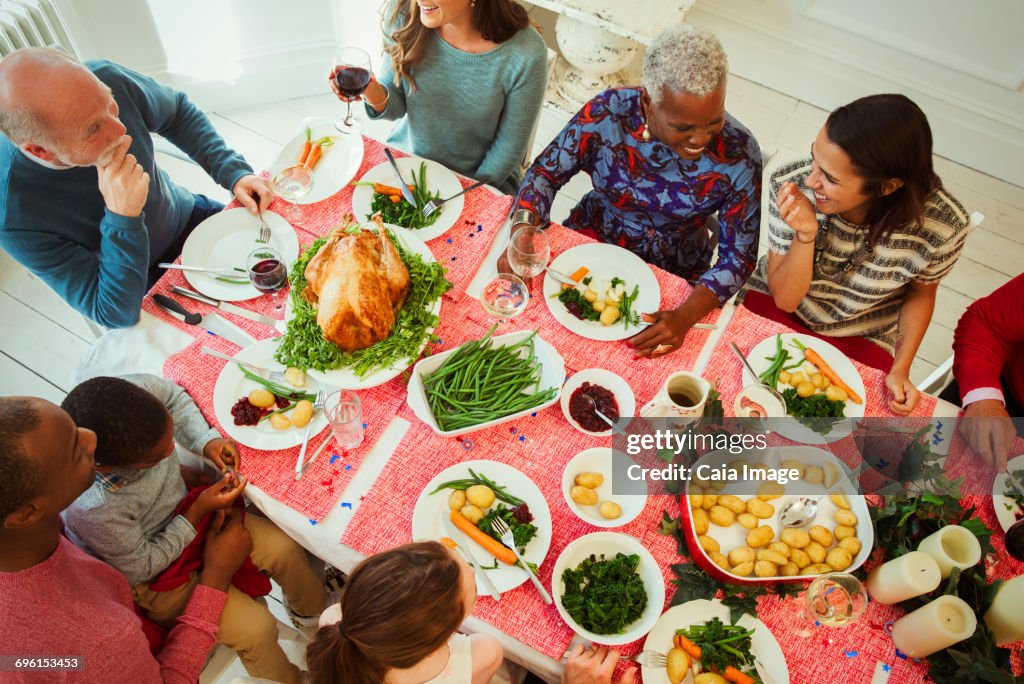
(267, 273)
(351, 74)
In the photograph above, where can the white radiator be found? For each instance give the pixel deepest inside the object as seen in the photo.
(33, 23)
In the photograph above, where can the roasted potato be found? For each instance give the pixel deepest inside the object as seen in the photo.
(792, 464)
(816, 569)
(831, 475)
(610, 315)
(696, 497)
(820, 534)
(261, 398)
(780, 547)
(784, 377)
(718, 559)
(457, 499)
(840, 501)
(584, 496)
(480, 496)
(851, 544)
(302, 413)
(805, 389)
(590, 295)
(280, 421)
(721, 516)
(816, 552)
(847, 518)
(748, 520)
(760, 536)
(771, 556)
(296, 377)
(677, 665)
(609, 510)
(591, 480)
(709, 544)
(472, 513)
(767, 491)
(700, 520)
(709, 678)
(732, 502)
(833, 393)
(819, 381)
(844, 531)
(741, 554)
(599, 305)
(789, 570)
(709, 500)
(795, 538)
(796, 378)
(814, 475)
(839, 559)
(743, 569)
(763, 568)
(761, 509)
(799, 558)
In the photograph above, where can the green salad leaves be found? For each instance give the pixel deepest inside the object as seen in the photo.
(605, 596)
(303, 345)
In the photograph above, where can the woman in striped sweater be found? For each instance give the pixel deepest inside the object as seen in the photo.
(861, 233)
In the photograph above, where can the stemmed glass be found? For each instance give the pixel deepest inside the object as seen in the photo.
(291, 182)
(528, 252)
(267, 273)
(505, 296)
(835, 599)
(351, 71)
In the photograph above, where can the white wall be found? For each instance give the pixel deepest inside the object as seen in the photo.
(962, 62)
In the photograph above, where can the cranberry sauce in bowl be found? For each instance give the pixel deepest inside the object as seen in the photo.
(582, 411)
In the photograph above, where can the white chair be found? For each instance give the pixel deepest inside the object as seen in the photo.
(938, 379)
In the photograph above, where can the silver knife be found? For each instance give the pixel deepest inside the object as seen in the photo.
(227, 307)
(561, 277)
(406, 193)
(212, 322)
(456, 535)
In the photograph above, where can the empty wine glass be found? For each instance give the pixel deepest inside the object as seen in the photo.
(351, 72)
(291, 182)
(836, 599)
(505, 296)
(528, 252)
(268, 273)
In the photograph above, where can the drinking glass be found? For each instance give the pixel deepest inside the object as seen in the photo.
(291, 182)
(528, 252)
(267, 273)
(836, 599)
(351, 70)
(344, 412)
(505, 296)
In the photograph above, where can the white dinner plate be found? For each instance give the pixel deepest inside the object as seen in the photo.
(791, 428)
(232, 385)
(440, 180)
(599, 460)
(431, 509)
(763, 644)
(345, 378)
(1005, 507)
(338, 165)
(224, 241)
(605, 262)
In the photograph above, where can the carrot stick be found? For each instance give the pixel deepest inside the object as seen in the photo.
(579, 273)
(382, 189)
(833, 377)
(682, 642)
(306, 147)
(314, 156)
(395, 199)
(491, 545)
(731, 674)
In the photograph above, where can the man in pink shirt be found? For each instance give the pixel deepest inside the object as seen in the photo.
(64, 608)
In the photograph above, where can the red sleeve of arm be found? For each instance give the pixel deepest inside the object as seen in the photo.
(985, 335)
(194, 634)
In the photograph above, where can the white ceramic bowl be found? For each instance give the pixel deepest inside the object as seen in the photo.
(610, 543)
(599, 460)
(552, 374)
(621, 390)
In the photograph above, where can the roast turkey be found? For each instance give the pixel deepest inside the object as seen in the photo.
(358, 284)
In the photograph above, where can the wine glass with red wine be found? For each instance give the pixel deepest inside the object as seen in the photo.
(268, 273)
(351, 74)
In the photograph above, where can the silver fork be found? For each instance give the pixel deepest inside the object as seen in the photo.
(318, 405)
(433, 205)
(508, 539)
(649, 659)
(264, 237)
(265, 373)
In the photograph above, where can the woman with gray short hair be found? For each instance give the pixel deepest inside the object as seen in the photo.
(663, 157)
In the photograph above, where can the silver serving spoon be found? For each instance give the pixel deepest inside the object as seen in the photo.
(775, 393)
(803, 510)
(611, 424)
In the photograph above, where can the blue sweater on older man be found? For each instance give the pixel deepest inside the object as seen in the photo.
(55, 222)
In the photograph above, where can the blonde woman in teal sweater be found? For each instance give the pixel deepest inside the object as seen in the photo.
(465, 80)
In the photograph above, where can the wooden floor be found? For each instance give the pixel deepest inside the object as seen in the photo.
(45, 339)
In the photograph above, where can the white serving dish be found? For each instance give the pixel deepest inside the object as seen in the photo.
(552, 375)
(619, 388)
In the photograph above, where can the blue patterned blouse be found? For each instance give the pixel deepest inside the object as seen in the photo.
(648, 199)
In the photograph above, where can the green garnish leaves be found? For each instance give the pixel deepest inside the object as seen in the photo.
(404, 214)
(604, 596)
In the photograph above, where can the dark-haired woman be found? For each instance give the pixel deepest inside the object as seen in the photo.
(465, 79)
(399, 618)
(861, 233)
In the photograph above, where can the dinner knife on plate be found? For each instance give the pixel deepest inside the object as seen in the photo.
(560, 277)
(457, 536)
(211, 322)
(227, 307)
(406, 193)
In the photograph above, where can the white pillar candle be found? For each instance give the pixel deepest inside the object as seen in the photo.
(952, 547)
(1005, 619)
(910, 575)
(934, 626)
